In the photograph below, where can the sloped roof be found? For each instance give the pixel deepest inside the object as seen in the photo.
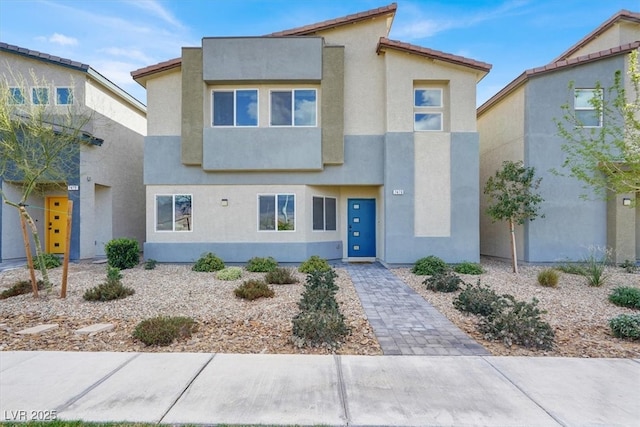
(623, 15)
(555, 66)
(386, 43)
(156, 68)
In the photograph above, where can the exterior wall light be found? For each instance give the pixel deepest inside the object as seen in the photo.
(224, 202)
(626, 201)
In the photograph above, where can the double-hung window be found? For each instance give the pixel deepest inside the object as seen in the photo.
(173, 212)
(427, 109)
(276, 212)
(324, 213)
(16, 96)
(586, 105)
(64, 96)
(296, 107)
(237, 107)
(40, 95)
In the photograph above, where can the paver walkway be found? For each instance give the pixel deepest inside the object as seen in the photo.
(404, 323)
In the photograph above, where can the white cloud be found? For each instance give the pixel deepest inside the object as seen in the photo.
(60, 39)
(130, 53)
(158, 10)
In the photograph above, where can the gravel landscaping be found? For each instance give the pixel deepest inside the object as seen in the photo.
(579, 314)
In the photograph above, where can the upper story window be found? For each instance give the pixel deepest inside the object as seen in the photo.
(297, 107)
(587, 103)
(235, 107)
(173, 212)
(16, 96)
(428, 109)
(64, 96)
(40, 95)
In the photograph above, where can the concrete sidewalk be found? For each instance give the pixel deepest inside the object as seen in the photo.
(200, 388)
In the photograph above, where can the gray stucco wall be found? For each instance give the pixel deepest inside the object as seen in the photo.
(571, 225)
(464, 242)
(262, 59)
(364, 166)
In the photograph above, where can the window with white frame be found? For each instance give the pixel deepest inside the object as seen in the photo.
(324, 213)
(16, 96)
(40, 95)
(428, 109)
(64, 96)
(296, 107)
(238, 107)
(276, 212)
(586, 106)
(173, 212)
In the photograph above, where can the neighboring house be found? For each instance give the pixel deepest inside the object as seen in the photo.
(106, 188)
(518, 124)
(328, 139)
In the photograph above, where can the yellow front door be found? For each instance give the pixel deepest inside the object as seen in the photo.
(56, 224)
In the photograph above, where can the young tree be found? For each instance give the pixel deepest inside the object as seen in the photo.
(606, 158)
(512, 196)
(39, 146)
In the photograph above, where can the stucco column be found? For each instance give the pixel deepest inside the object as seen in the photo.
(621, 227)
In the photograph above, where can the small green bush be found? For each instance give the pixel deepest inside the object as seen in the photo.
(625, 296)
(253, 289)
(110, 290)
(429, 266)
(281, 276)
(477, 299)
(443, 282)
(150, 264)
(571, 268)
(314, 263)
(466, 267)
(20, 288)
(122, 253)
(548, 277)
(319, 292)
(229, 273)
(50, 261)
(162, 331)
(629, 266)
(261, 265)
(208, 263)
(517, 322)
(626, 326)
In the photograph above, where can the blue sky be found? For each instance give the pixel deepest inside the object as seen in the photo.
(118, 36)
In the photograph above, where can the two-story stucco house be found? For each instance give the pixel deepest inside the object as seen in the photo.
(518, 124)
(105, 182)
(328, 139)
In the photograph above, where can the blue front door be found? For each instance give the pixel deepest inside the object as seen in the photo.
(361, 218)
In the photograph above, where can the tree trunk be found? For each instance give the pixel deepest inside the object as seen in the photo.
(36, 239)
(514, 255)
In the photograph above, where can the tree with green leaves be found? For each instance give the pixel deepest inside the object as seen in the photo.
(513, 199)
(606, 158)
(39, 147)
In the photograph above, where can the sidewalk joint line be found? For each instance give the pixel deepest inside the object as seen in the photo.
(196, 375)
(94, 385)
(342, 390)
(485, 358)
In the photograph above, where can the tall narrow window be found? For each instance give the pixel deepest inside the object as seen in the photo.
(276, 212)
(586, 102)
(427, 109)
(235, 107)
(173, 212)
(64, 96)
(324, 213)
(40, 95)
(293, 107)
(16, 96)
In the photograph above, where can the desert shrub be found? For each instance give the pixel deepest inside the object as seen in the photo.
(20, 288)
(443, 282)
(110, 290)
(281, 276)
(466, 267)
(625, 296)
(150, 264)
(429, 266)
(548, 277)
(626, 326)
(594, 266)
(122, 253)
(319, 322)
(261, 265)
(517, 322)
(229, 273)
(207, 263)
(571, 268)
(477, 299)
(50, 261)
(163, 331)
(629, 266)
(253, 289)
(314, 263)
